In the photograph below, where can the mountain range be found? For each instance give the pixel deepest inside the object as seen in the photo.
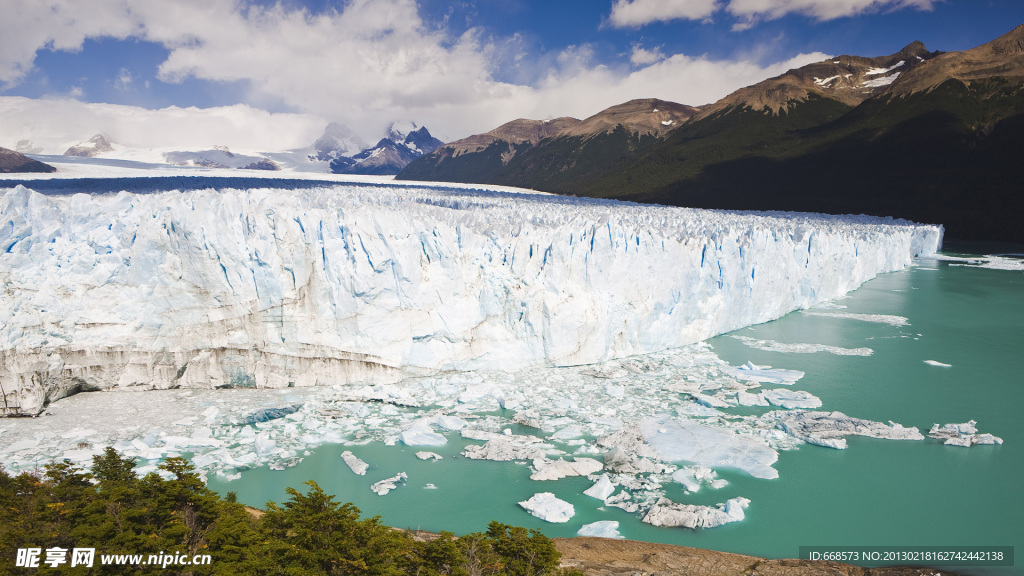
(929, 136)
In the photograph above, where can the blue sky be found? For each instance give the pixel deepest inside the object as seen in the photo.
(457, 67)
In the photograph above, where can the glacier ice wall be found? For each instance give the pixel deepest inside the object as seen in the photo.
(276, 288)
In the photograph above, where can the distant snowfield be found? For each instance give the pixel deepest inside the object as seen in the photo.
(151, 166)
(175, 277)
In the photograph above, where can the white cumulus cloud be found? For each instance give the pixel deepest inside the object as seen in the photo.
(366, 63)
(635, 13)
(641, 56)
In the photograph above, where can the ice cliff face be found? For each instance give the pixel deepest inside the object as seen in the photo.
(273, 288)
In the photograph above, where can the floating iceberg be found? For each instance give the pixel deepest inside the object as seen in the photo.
(763, 374)
(548, 508)
(388, 484)
(420, 434)
(353, 461)
(429, 456)
(693, 477)
(878, 318)
(773, 346)
(601, 529)
(937, 363)
(668, 513)
(829, 428)
(791, 398)
(683, 440)
(553, 470)
(601, 489)
(964, 435)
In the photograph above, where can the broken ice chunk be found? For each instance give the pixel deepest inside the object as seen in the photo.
(748, 399)
(549, 508)
(504, 448)
(353, 461)
(420, 434)
(791, 398)
(601, 489)
(388, 484)
(965, 435)
(763, 374)
(668, 513)
(429, 455)
(553, 470)
(828, 428)
(268, 414)
(601, 529)
(692, 477)
(689, 441)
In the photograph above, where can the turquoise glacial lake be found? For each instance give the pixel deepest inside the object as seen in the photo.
(875, 493)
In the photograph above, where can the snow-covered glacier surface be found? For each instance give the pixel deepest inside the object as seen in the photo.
(360, 283)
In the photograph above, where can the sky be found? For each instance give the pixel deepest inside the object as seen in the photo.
(268, 75)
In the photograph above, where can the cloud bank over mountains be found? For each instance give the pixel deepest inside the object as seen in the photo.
(365, 63)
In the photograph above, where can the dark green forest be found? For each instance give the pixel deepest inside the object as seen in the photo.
(111, 509)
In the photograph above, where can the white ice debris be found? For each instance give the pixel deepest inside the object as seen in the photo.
(1013, 262)
(791, 398)
(829, 428)
(601, 489)
(937, 363)
(763, 374)
(748, 399)
(965, 435)
(237, 285)
(354, 462)
(549, 508)
(512, 447)
(773, 346)
(693, 477)
(553, 470)
(684, 440)
(388, 484)
(420, 434)
(601, 529)
(668, 513)
(879, 318)
(429, 455)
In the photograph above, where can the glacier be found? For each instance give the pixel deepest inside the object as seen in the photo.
(254, 287)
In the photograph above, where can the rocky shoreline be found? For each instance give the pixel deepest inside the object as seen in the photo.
(607, 557)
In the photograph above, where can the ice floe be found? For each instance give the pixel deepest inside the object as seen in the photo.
(423, 455)
(830, 428)
(878, 318)
(764, 374)
(601, 489)
(693, 477)
(553, 470)
(353, 462)
(684, 440)
(937, 363)
(965, 434)
(601, 529)
(791, 398)
(388, 484)
(668, 513)
(547, 507)
(795, 348)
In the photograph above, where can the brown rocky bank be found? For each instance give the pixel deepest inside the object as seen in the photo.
(606, 557)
